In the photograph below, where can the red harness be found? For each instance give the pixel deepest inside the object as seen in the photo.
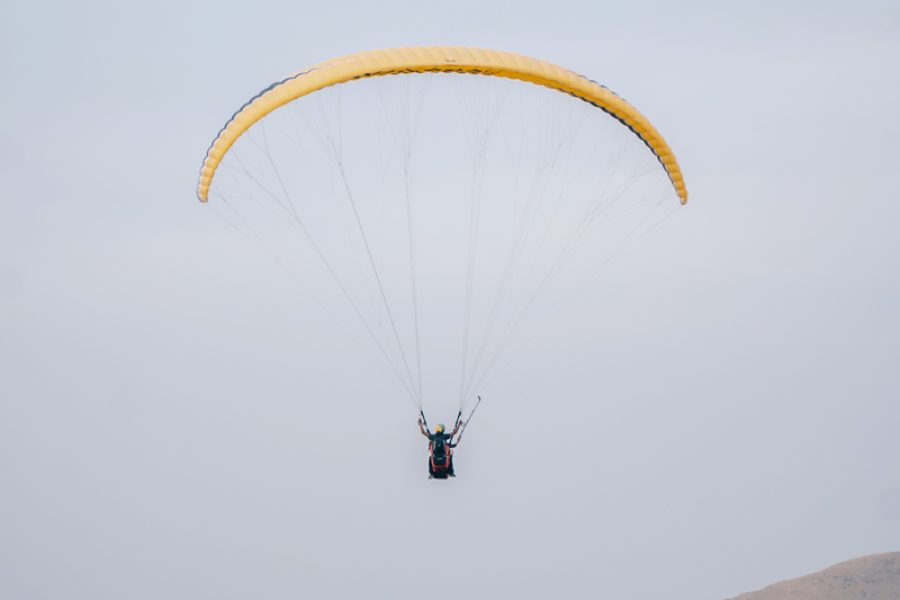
(439, 465)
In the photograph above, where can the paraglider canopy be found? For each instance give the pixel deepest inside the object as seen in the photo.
(430, 59)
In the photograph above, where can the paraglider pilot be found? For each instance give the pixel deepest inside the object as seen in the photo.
(440, 449)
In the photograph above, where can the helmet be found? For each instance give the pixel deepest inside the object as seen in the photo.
(439, 428)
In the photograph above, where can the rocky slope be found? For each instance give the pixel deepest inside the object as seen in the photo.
(875, 577)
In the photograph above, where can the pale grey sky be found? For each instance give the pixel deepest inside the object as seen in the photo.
(718, 413)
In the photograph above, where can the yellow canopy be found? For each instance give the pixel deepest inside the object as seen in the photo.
(436, 59)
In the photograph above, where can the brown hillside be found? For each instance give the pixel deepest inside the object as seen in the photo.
(875, 577)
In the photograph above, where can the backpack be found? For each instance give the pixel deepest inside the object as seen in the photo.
(438, 448)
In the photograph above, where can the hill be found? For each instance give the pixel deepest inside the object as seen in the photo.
(874, 577)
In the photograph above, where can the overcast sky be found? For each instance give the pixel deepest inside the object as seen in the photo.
(177, 422)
